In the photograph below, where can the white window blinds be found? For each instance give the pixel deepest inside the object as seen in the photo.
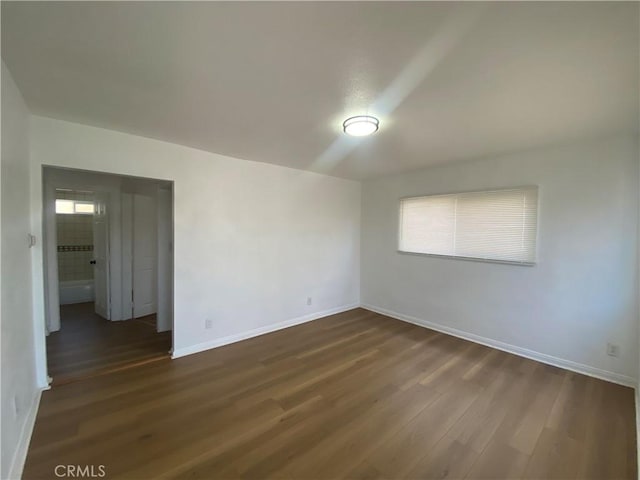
(495, 225)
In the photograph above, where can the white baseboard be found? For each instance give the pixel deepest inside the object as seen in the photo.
(219, 342)
(522, 352)
(638, 428)
(22, 446)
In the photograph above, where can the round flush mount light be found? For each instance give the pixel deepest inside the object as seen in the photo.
(360, 126)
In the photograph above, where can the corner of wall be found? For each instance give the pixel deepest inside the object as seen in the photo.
(219, 342)
(22, 445)
(591, 371)
(21, 381)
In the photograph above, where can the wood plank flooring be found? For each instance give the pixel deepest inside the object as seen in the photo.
(88, 345)
(355, 395)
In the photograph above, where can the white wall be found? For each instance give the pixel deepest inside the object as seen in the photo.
(19, 390)
(252, 240)
(581, 295)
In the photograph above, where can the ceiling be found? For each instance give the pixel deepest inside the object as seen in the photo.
(272, 82)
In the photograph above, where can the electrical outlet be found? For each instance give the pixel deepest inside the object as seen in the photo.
(309, 301)
(613, 350)
(208, 323)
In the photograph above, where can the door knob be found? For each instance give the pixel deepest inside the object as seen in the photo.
(92, 262)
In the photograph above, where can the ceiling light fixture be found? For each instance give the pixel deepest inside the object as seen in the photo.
(360, 126)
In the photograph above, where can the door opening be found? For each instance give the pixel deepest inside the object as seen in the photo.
(109, 272)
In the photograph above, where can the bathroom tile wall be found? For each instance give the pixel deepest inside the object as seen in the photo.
(75, 241)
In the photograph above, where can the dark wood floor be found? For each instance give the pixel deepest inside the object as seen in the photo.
(88, 345)
(354, 395)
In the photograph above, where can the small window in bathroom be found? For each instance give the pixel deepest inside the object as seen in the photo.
(74, 207)
(83, 208)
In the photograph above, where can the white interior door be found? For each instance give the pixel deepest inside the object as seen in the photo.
(144, 255)
(101, 255)
(126, 204)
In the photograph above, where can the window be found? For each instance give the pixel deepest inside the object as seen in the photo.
(70, 207)
(498, 225)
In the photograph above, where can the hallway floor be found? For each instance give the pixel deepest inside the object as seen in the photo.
(88, 345)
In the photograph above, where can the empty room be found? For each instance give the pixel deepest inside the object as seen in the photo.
(320, 240)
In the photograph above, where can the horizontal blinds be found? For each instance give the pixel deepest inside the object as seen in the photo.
(493, 225)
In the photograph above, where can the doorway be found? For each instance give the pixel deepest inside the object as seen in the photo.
(109, 272)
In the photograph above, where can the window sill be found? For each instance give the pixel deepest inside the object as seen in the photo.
(470, 259)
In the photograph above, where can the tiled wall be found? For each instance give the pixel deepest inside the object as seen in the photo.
(75, 241)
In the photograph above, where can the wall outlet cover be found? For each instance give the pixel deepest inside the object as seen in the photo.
(613, 350)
